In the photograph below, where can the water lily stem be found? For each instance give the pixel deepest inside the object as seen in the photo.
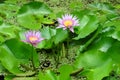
(26, 67)
(63, 52)
(32, 58)
(76, 72)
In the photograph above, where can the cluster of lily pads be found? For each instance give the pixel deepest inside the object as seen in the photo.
(67, 21)
(33, 28)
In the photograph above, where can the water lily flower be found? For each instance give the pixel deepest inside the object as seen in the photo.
(68, 21)
(33, 37)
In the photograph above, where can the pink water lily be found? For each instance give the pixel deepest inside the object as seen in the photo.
(33, 37)
(68, 21)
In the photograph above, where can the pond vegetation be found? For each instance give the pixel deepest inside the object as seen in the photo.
(60, 40)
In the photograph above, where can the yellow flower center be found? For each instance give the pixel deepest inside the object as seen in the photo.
(33, 38)
(68, 23)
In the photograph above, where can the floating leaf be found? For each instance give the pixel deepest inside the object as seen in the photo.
(1, 39)
(114, 52)
(8, 60)
(105, 7)
(31, 15)
(65, 71)
(9, 10)
(45, 44)
(100, 72)
(48, 75)
(60, 35)
(22, 51)
(8, 30)
(19, 48)
(95, 59)
(88, 24)
(2, 68)
(47, 32)
(34, 8)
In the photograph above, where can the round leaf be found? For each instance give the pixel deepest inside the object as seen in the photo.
(31, 15)
(8, 60)
(60, 35)
(88, 24)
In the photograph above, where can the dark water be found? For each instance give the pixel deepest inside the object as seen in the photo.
(1, 77)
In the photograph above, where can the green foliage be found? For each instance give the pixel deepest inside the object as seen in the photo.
(60, 36)
(25, 78)
(31, 15)
(52, 36)
(20, 49)
(65, 71)
(48, 75)
(99, 72)
(97, 53)
(114, 54)
(96, 41)
(88, 24)
(8, 60)
(7, 31)
(47, 32)
(14, 55)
